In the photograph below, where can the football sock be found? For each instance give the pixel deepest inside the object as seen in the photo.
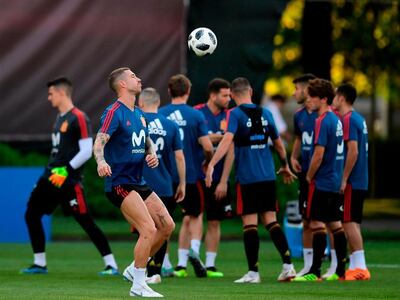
(359, 260)
(280, 241)
(340, 242)
(183, 257)
(195, 245)
(109, 260)
(155, 264)
(166, 262)
(39, 259)
(319, 245)
(210, 259)
(351, 264)
(251, 246)
(308, 257)
(333, 265)
(139, 275)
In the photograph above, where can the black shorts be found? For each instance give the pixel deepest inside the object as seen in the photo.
(324, 206)
(353, 204)
(45, 198)
(303, 194)
(170, 203)
(256, 197)
(119, 193)
(193, 204)
(215, 209)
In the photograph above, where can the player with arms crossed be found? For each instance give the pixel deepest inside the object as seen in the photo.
(121, 149)
(355, 177)
(217, 198)
(61, 182)
(250, 127)
(304, 121)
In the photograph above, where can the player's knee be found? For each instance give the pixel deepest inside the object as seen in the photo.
(31, 215)
(148, 231)
(167, 228)
(212, 225)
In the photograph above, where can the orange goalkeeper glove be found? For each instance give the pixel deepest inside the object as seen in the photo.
(59, 176)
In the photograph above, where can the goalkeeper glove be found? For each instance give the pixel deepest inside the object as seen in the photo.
(58, 177)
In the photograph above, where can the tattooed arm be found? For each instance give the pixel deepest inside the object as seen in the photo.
(103, 169)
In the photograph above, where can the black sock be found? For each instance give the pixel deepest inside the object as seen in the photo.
(251, 246)
(280, 242)
(340, 242)
(154, 265)
(319, 245)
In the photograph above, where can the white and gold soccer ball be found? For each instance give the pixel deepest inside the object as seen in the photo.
(202, 41)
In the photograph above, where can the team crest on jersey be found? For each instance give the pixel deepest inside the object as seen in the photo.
(64, 126)
(223, 125)
(143, 121)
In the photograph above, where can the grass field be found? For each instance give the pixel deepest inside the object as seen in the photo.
(73, 267)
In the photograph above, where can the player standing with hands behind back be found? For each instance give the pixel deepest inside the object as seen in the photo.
(121, 149)
(250, 127)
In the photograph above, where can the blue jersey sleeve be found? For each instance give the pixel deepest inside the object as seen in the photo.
(232, 121)
(109, 121)
(321, 137)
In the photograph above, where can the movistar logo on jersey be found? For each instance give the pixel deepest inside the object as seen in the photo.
(138, 141)
(307, 140)
(155, 127)
(177, 117)
(339, 129)
(340, 147)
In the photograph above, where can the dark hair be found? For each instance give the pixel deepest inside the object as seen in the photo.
(240, 85)
(278, 98)
(348, 91)
(62, 82)
(321, 88)
(305, 78)
(179, 85)
(216, 84)
(114, 75)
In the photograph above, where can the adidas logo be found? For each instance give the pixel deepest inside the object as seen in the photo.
(176, 116)
(155, 127)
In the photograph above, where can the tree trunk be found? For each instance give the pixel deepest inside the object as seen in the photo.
(317, 42)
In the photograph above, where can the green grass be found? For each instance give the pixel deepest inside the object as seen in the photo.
(73, 267)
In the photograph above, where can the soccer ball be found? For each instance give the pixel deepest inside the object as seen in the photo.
(202, 41)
